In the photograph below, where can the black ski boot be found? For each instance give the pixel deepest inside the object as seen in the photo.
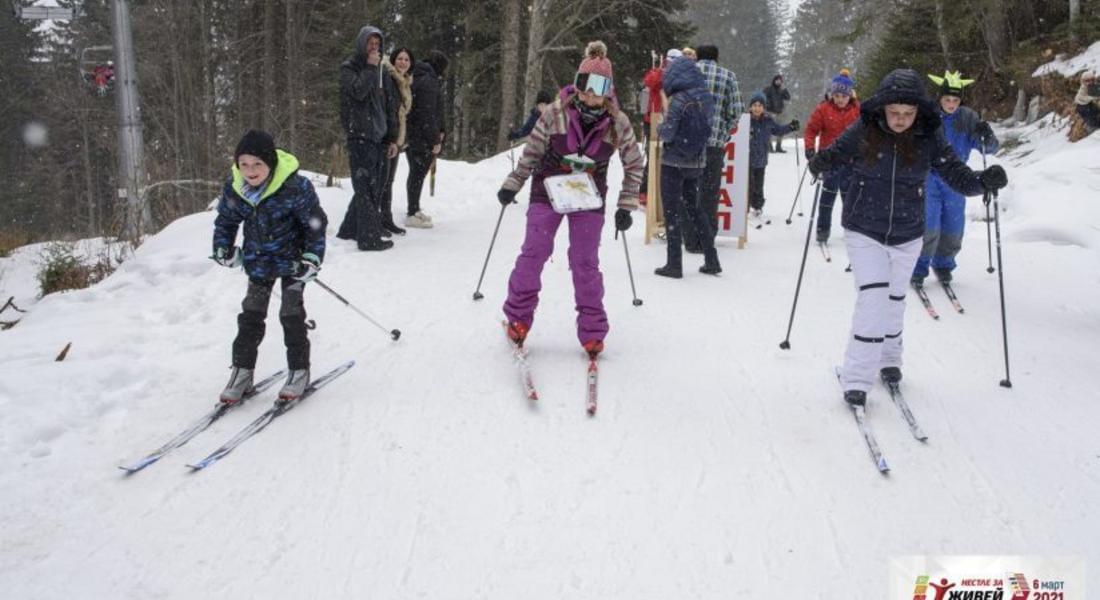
(943, 275)
(711, 266)
(670, 271)
(855, 398)
(890, 375)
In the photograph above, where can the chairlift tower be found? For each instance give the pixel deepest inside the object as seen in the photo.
(130, 142)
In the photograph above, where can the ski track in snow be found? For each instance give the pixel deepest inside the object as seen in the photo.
(717, 465)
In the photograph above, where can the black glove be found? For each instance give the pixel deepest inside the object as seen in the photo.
(795, 125)
(983, 131)
(818, 165)
(993, 178)
(810, 152)
(623, 220)
(506, 197)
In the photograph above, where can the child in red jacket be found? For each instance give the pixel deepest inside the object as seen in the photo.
(831, 117)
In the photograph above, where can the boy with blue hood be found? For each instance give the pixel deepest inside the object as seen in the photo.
(762, 127)
(368, 114)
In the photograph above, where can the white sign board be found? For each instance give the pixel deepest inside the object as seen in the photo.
(733, 194)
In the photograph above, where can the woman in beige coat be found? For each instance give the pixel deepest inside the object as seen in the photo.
(399, 67)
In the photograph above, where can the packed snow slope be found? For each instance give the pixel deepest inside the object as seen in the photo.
(718, 466)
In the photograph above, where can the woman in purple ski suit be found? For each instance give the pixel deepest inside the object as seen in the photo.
(584, 121)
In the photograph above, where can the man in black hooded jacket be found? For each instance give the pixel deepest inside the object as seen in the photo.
(368, 113)
(425, 131)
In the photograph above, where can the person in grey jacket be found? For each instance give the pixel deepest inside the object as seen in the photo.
(777, 97)
(368, 114)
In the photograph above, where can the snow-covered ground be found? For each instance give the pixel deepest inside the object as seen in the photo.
(719, 466)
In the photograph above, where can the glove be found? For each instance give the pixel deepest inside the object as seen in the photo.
(623, 220)
(818, 165)
(795, 125)
(810, 152)
(308, 267)
(983, 131)
(993, 178)
(506, 197)
(230, 257)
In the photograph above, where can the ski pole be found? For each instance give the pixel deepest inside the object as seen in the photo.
(630, 270)
(1006, 382)
(394, 333)
(988, 235)
(799, 191)
(786, 343)
(477, 293)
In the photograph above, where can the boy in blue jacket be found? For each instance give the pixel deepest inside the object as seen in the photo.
(944, 208)
(284, 238)
(763, 127)
(685, 132)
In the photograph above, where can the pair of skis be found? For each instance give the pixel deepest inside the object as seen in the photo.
(925, 301)
(519, 355)
(860, 414)
(277, 409)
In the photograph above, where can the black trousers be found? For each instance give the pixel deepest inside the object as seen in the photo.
(387, 193)
(363, 221)
(251, 325)
(756, 188)
(678, 183)
(420, 162)
(707, 201)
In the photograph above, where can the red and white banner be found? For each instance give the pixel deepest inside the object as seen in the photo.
(733, 195)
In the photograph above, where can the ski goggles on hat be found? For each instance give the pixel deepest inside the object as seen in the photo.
(593, 83)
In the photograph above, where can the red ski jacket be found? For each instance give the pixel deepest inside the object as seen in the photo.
(829, 122)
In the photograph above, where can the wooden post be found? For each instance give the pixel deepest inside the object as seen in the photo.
(654, 212)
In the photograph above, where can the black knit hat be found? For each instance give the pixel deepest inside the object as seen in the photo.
(543, 97)
(259, 144)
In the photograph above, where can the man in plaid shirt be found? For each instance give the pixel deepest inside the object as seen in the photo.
(728, 107)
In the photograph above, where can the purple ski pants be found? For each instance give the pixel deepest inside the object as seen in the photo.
(584, 263)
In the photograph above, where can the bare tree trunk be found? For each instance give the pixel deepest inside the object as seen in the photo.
(267, 101)
(291, 71)
(942, 35)
(509, 52)
(994, 30)
(89, 189)
(1074, 17)
(536, 34)
(208, 109)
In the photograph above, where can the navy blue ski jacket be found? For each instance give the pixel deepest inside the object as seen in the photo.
(283, 224)
(685, 85)
(885, 199)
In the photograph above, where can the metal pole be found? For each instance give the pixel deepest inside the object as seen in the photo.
(477, 292)
(786, 343)
(131, 149)
(1007, 381)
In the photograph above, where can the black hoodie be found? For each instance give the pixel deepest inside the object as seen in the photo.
(368, 103)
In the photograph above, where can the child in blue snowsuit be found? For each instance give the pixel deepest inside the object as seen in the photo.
(760, 135)
(945, 209)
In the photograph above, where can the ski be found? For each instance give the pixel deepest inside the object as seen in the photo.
(593, 385)
(277, 409)
(200, 425)
(903, 406)
(825, 251)
(519, 353)
(926, 301)
(950, 291)
(860, 414)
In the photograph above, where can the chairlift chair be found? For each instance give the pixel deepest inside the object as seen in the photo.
(94, 58)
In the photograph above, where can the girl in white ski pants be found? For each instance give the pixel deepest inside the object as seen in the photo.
(882, 279)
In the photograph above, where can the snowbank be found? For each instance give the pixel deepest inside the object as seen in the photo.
(1089, 60)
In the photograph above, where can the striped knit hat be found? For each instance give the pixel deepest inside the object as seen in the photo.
(596, 61)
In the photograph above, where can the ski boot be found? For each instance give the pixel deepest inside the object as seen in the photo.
(855, 398)
(944, 275)
(239, 382)
(670, 271)
(295, 386)
(517, 332)
(890, 375)
(593, 348)
(711, 265)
